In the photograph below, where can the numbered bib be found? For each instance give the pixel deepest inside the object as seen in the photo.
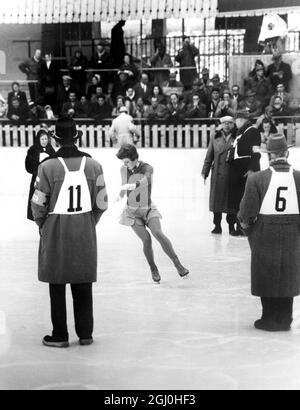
(281, 197)
(74, 196)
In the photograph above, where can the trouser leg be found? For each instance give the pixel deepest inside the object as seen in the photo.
(59, 311)
(285, 311)
(269, 309)
(217, 219)
(231, 220)
(83, 309)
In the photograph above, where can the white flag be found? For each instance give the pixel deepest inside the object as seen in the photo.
(273, 26)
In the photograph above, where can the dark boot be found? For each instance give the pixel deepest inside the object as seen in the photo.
(217, 230)
(51, 341)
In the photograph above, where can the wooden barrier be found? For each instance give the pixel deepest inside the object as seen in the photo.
(191, 134)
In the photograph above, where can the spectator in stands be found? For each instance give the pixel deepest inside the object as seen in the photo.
(186, 58)
(78, 65)
(63, 92)
(251, 104)
(226, 106)
(261, 86)
(99, 91)
(156, 111)
(157, 92)
(96, 82)
(199, 88)
(49, 114)
(118, 48)
(172, 86)
(141, 109)
(120, 86)
(84, 107)
(258, 65)
(17, 112)
(281, 92)
(279, 72)
(266, 132)
(236, 96)
(279, 110)
(161, 60)
(268, 116)
(143, 89)
(216, 82)
(102, 110)
(130, 69)
(213, 103)
(35, 155)
(207, 84)
(36, 112)
(175, 109)
(117, 109)
(49, 80)
(130, 100)
(101, 60)
(196, 109)
(32, 68)
(71, 108)
(16, 93)
(3, 109)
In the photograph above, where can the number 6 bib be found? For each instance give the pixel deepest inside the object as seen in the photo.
(281, 197)
(74, 196)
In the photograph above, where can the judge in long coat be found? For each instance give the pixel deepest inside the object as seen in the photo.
(215, 161)
(269, 213)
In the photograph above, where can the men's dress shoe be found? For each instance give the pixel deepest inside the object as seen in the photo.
(271, 326)
(51, 341)
(86, 342)
(217, 230)
(233, 232)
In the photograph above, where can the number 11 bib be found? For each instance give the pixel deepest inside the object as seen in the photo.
(74, 197)
(281, 197)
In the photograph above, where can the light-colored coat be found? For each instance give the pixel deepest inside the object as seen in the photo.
(215, 161)
(122, 130)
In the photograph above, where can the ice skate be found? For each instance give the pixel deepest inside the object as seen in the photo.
(155, 275)
(182, 271)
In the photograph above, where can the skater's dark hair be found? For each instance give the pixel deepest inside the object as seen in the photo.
(128, 151)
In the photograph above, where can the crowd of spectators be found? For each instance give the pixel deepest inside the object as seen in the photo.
(98, 88)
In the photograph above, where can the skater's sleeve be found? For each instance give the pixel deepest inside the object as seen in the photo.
(146, 180)
(101, 203)
(124, 180)
(41, 196)
(250, 205)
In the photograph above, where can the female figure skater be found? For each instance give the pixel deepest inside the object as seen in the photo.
(140, 212)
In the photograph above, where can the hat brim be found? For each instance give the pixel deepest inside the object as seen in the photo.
(78, 135)
(265, 151)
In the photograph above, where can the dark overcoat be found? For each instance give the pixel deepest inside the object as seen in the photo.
(68, 243)
(274, 240)
(215, 161)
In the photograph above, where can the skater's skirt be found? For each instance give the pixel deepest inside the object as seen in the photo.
(140, 216)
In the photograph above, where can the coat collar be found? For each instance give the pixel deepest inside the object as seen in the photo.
(68, 152)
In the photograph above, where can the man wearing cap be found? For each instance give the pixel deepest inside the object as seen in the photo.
(251, 104)
(269, 214)
(244, 159)
(123, 131)
(216, 161)
(68, 202)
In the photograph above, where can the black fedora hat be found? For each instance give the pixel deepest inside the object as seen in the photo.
(65, 131)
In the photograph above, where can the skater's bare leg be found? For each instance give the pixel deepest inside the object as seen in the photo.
(156, 230)
(145, 237)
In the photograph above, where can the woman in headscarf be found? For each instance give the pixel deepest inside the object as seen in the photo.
(40, 150)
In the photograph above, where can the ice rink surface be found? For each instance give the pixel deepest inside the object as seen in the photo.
(195, 333)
